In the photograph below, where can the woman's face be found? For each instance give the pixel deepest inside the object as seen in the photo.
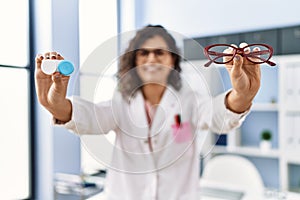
(153, 61)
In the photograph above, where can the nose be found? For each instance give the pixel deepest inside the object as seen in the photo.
(151, 57)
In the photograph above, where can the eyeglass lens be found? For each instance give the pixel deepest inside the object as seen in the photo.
(157, 52)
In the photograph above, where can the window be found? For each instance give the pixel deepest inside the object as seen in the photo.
(15, 103)
(14, 22)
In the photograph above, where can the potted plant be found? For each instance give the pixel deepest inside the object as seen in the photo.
(265, 142)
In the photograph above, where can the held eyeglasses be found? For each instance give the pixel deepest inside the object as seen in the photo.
(225, 53)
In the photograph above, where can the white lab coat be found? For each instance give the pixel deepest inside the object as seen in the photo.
(171, 171)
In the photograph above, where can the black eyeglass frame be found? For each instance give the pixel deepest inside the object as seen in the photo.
(240, 51)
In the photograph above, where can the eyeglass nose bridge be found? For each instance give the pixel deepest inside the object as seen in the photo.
(240, 51)
(151, 54)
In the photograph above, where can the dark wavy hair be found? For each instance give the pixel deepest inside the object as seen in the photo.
(130, 83)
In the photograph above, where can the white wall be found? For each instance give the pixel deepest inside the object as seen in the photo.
(203, 17)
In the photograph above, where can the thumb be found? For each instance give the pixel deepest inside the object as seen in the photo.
(60, 83)
(237, 65)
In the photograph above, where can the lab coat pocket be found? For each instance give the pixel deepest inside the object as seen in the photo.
(182, 133)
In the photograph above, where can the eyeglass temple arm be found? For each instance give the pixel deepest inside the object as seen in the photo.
(270, 63)
(208, 63)
(257, 57)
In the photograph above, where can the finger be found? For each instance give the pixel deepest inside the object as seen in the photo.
(53, 55)
(227, 51)
(59, 57)
(38, 61)
(47, 55)
(256, 49)
(39, 58)
(234, 45)
(60, 82)
(244, 44)
(237, 66)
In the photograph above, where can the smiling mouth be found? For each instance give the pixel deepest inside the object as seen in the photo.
(152, 68)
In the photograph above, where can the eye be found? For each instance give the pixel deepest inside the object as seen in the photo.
(143, 52)
(160, 52)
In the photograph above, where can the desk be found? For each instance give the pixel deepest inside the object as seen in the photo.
(75, 187)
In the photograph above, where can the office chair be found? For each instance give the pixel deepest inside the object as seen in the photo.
(233, 170)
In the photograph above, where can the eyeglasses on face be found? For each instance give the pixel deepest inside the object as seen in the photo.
(224, 53)
(145, 52)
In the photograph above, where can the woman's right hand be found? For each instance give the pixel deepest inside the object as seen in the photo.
(52, 89)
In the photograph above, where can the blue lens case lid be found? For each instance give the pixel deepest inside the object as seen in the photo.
(65, 67)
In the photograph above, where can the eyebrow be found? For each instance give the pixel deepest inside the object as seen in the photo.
(165, 48)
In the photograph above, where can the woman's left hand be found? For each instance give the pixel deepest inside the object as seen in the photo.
(245, 79)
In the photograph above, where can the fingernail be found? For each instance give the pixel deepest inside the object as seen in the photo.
(243, 44)
(236, 58)
(57, 76)
(247, 49)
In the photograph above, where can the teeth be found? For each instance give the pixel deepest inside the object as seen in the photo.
(152, 68)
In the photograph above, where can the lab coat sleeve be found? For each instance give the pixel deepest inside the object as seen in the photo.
(212, 114)
(89, 118)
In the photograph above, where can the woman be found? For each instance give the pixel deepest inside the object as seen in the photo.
(155, 156)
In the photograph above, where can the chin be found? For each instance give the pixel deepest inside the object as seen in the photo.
(154, 80)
